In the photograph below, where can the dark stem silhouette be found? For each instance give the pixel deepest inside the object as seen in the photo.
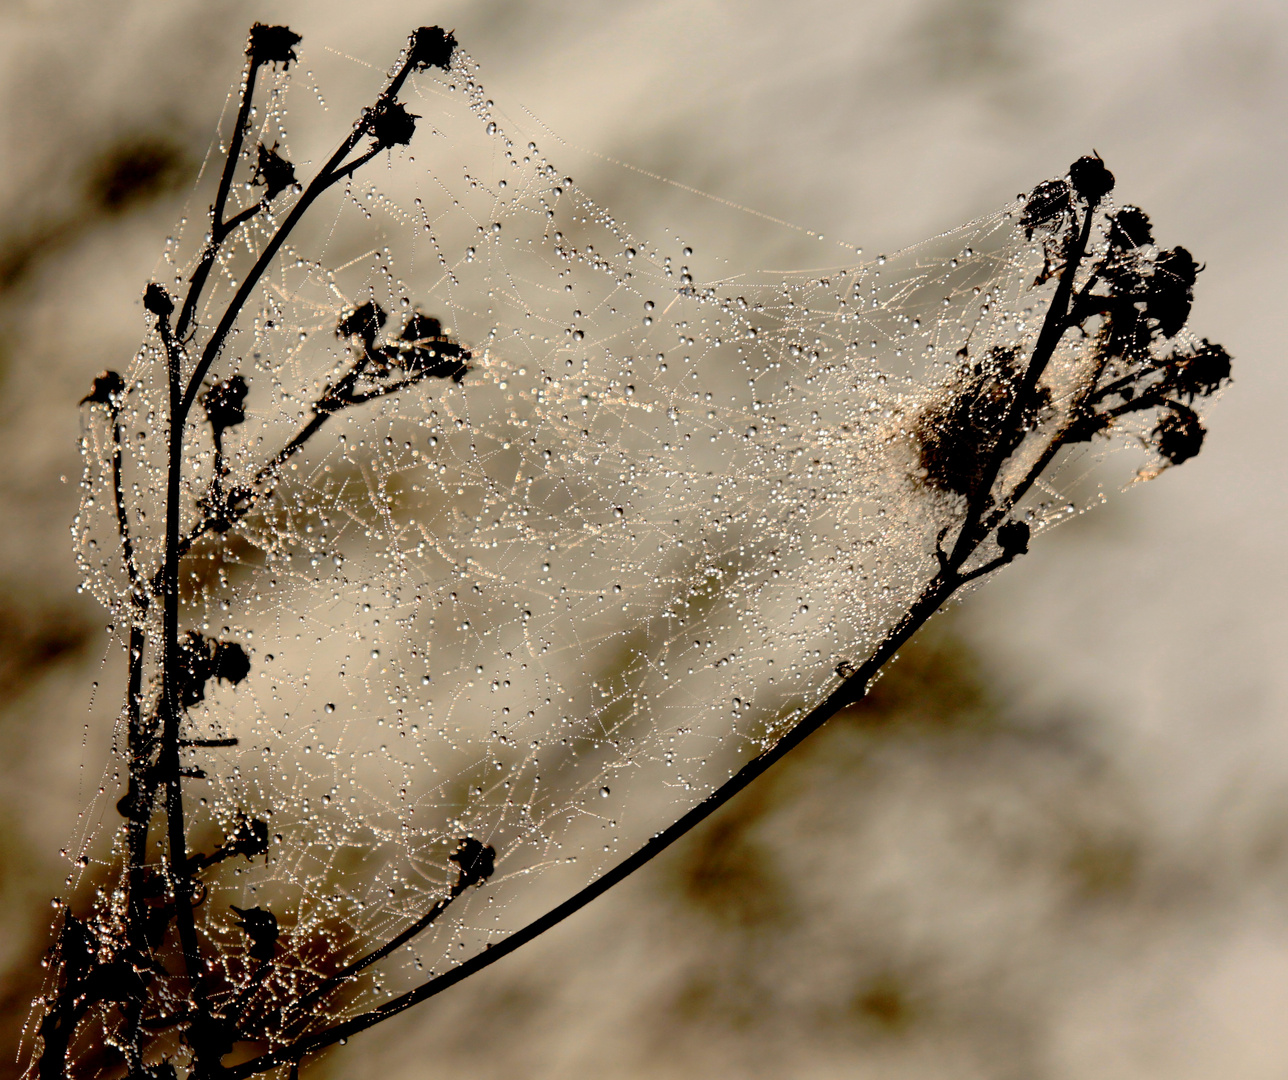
(983, 443)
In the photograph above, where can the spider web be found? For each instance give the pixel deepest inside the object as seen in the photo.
(553, 606)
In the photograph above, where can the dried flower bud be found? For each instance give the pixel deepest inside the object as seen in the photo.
(476, 862)
(250, 839)
(202, 659)
(1202, 371)
(1090, 179)
(108, 389)
(440, 360)
(273, 171)
(390, 124)
(194, 669)
(421, 328)
(422, 348)
(1046, 207)
(230, 662)
(157, 300)
(260, 925)
(432, 46)
(1013, 538)
(1179, 435)
(363, 322)
(272, 45)
(1130, 227)
(225, 403)
(1171, 290)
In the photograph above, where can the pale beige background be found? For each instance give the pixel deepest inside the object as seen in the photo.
(1059, 846)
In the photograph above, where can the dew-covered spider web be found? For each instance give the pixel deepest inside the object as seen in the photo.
(549, 605)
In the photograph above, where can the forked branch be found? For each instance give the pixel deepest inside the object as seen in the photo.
(990, 436)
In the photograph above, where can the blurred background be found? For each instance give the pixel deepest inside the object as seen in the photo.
(1054, 842)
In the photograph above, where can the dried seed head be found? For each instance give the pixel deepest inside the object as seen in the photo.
(1201, 372)
(230, 663)
(260, 925)
(363, 322)
(1013, 538)
(432, 46)
(272, 45)
(476, 861)
(390, 124)
(1130, 227)
(273, 171)
(1179, 435)
(1090, 179)
(225, 403)
(1046, 208)
(157, 300)
(108, 389)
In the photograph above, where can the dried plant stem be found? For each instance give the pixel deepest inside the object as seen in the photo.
(968, 445)
(951, 577)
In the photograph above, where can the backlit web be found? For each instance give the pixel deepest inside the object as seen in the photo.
(550, 606)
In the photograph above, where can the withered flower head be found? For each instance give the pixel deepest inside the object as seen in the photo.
(475, 860)
(272, 45)
(230, 662)
(1090, 179)
(273, 171)
(157, 300)
(1179, 435)
(1130, 227)
(260, 925)
(1013, 538)
(1046, 208)
(1171, 290)
(432, 46)
(108, 389)
(421, 328)
(250, 839)
(202, 659)
(225, 403)
(1201, 371)
(363, 322)
(423, 349)
(390, 124)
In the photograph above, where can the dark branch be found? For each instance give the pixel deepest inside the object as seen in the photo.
(330, 174)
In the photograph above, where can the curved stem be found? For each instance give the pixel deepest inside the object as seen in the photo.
(218, 229)
(349, 970)
(168, 764)
(331, 173)
(948, 580)
(976, 526)
(852, 690)
(138, 595)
